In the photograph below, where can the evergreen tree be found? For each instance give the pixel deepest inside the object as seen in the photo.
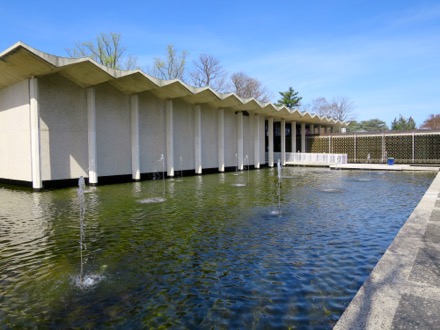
(372, 125)
(403, 124)
(355, 126)
(289, 99)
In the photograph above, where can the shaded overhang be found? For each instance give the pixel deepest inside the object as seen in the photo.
(135, 82)
(203, 96)
(231, 101)
(171, 89)
(18, 63)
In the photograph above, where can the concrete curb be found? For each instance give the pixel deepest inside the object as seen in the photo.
(404, 287)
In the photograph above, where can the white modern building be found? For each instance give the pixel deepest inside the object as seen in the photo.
(62, 118)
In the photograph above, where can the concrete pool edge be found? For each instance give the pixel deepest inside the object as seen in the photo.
(404, 276)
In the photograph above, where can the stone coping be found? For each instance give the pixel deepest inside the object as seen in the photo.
(384, 167)
(403, 290)
(368, 167)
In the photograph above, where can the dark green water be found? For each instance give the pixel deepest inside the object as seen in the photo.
(211, 255)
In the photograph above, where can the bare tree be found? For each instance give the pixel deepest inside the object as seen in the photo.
(248, 87)
(318, 106)
(322, 107)
(341, 108)
(172, 67)
(433, 122)
(209, 72)
(106, 49)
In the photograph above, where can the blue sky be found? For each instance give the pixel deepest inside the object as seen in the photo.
(383, 55)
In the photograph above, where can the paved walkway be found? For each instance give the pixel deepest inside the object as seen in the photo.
(367, 167)
(383, 167)
(403, 291)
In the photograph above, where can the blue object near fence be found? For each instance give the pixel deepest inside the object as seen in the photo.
(390, 161)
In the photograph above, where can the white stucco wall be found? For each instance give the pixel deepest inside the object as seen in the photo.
(15, 148)
(262, 141)
(230, 138)
(63, 128)
(64, 132)
(113, 127)
(151, 131)
(183, 124)
(209, 137)
(248, 139)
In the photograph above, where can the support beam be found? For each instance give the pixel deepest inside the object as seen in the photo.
(135, 150)
(91, 123)
(283, 142)
(303, 137)
(270, 132)
(256, 141)
(319, 129)
(240, 140)
(293, 132)
(198, 139)
(221, 139)
(169, 137)
(34, 110)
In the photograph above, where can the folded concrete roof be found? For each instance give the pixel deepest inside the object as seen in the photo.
(20, 62)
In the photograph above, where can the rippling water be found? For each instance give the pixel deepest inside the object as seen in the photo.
(211, 252)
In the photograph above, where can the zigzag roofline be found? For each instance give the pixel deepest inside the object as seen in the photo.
(20, 62)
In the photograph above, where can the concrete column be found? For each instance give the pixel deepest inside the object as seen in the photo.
(221, 139)
(293, 132)
(256, 141)
(303, 137)
(135, 150)
(312, 129)
(270, 132)
(169, 136)
(283, 142)
(240, 140)
(319, 129)
(34, 111)
(91, 122)
(198, 139)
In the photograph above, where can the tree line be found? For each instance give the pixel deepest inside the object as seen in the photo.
(207, 71)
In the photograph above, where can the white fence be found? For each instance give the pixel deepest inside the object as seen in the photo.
(312, 158)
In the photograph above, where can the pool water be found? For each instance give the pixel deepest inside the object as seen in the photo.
(200, 252)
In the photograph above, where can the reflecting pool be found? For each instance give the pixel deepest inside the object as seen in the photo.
(208, 253)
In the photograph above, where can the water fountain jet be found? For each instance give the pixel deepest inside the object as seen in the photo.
(90, 280)
(278, 212)
(82, 211)
(160, 167)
